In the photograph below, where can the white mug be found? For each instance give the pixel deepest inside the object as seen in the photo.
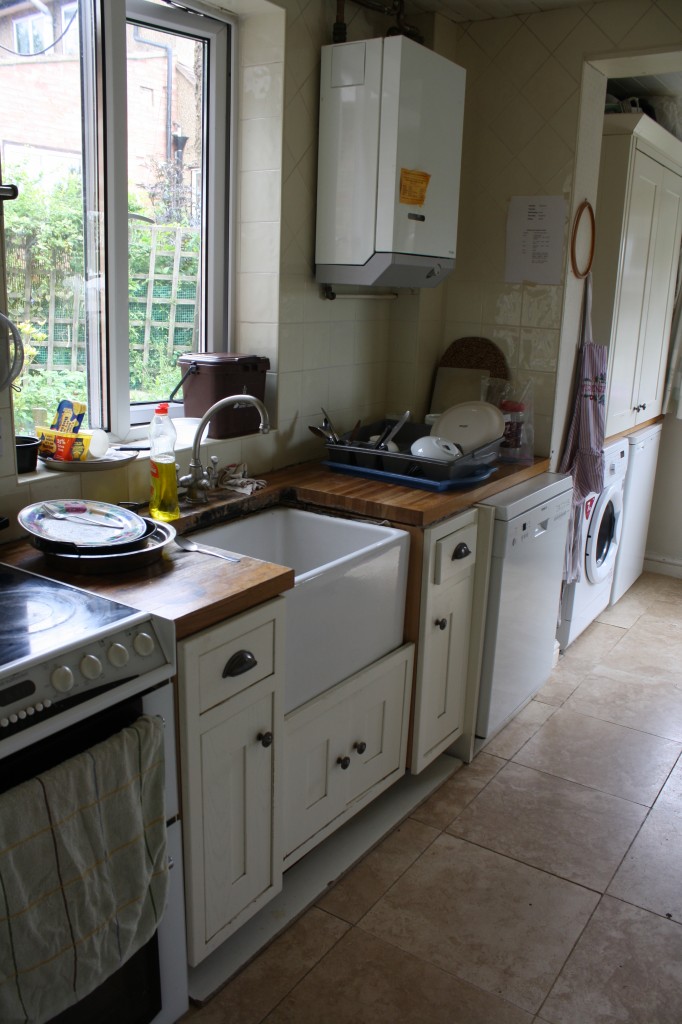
(431, 447)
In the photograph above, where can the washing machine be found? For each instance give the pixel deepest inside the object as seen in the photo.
(638, 495)
(601, 525)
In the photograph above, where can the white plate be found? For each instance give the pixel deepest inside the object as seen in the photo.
(88, 523)
(88, 465)
(470, 425)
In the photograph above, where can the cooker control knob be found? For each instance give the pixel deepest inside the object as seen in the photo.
(144, 644)
(91, 666)
(118, 655)
(62, 678)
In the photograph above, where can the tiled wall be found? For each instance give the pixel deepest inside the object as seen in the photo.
(364, 358)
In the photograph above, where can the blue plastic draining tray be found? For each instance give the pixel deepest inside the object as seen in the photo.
(474, 477)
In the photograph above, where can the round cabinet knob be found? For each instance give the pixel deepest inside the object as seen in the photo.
(144, 644)
(344, 762)
(91, 666)
(441, 623)
(118, 655)
(360, 746)
(265, 739)
(62, 678)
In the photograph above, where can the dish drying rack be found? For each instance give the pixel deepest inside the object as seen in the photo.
(360, 457)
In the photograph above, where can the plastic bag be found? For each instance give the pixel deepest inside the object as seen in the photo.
(515, 401)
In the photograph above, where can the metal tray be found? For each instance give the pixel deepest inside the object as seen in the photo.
(362, 455)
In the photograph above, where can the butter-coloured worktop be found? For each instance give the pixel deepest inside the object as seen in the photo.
(196, 591)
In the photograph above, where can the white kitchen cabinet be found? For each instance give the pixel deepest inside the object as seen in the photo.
(639, 226)
(343, 748)
(456, 558)
(230, 680)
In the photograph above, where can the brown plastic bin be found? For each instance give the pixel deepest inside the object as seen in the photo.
(216, 375)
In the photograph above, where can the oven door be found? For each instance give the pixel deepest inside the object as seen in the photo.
(151, 987)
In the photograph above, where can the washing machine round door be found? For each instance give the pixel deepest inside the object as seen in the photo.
(603, 534)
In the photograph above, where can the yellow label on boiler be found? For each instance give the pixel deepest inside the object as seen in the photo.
(413, 186)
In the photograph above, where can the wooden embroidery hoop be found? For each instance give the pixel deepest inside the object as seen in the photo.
(584, 206)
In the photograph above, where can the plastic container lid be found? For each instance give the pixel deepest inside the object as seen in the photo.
(162, 409)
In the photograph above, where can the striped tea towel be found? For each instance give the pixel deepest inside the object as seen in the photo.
(83, 872)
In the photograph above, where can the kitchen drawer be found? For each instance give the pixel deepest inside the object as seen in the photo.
(455, 555)
(224, 660)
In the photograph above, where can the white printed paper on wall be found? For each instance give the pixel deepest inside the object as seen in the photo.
(535, 239)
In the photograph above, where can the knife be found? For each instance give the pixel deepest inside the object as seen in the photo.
(383, 441)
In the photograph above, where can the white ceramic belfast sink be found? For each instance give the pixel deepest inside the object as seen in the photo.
(348, 602)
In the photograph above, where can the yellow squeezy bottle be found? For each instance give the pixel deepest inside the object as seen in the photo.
(163, 500)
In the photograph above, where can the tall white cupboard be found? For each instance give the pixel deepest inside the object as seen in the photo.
(639, 226)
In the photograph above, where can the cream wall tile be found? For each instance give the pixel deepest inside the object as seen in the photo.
(521, 57)
(343, 387)
(288, 395)
(539, 349)
(544, 385)
(501, 304)
(290, 347)
(316, 390)
(552, 27)
(292, 291)
(342, 343)
(260, 144)
(261, 39)
(316, 351)
(259, 247)
(259, 197)
(542, 306)
(463, 300)
(507, 339)
(258, 297)
(260, 340)
(261, 92)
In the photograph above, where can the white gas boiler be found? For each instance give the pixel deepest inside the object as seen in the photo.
(390, 144)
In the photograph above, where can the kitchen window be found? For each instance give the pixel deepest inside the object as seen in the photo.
(118, 137)
(32, 34)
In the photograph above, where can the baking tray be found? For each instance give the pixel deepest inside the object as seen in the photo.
(361, 455)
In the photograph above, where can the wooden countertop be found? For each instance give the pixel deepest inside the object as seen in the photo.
(314, 484)
(196, 591)
(190, 589)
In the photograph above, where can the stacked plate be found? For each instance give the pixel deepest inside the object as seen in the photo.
(94, 536)
(470, 425)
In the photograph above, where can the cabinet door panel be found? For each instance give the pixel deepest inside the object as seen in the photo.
(639, 238)
(660, 298)
(443, 670)
(314, 784)
(237, 810)
(377, 723)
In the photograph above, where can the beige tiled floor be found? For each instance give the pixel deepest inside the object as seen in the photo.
(541, 883)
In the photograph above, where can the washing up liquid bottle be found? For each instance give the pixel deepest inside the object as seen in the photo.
(163, 501)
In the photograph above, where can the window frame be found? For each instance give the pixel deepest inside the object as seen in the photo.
(119, 417)
(31, 19)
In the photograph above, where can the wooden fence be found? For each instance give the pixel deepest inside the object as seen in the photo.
(163, 305)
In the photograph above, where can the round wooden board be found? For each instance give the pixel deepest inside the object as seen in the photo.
(476, 354)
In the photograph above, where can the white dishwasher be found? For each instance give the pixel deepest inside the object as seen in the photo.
(529, 542)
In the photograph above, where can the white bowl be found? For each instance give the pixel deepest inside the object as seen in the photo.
(432, 447)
